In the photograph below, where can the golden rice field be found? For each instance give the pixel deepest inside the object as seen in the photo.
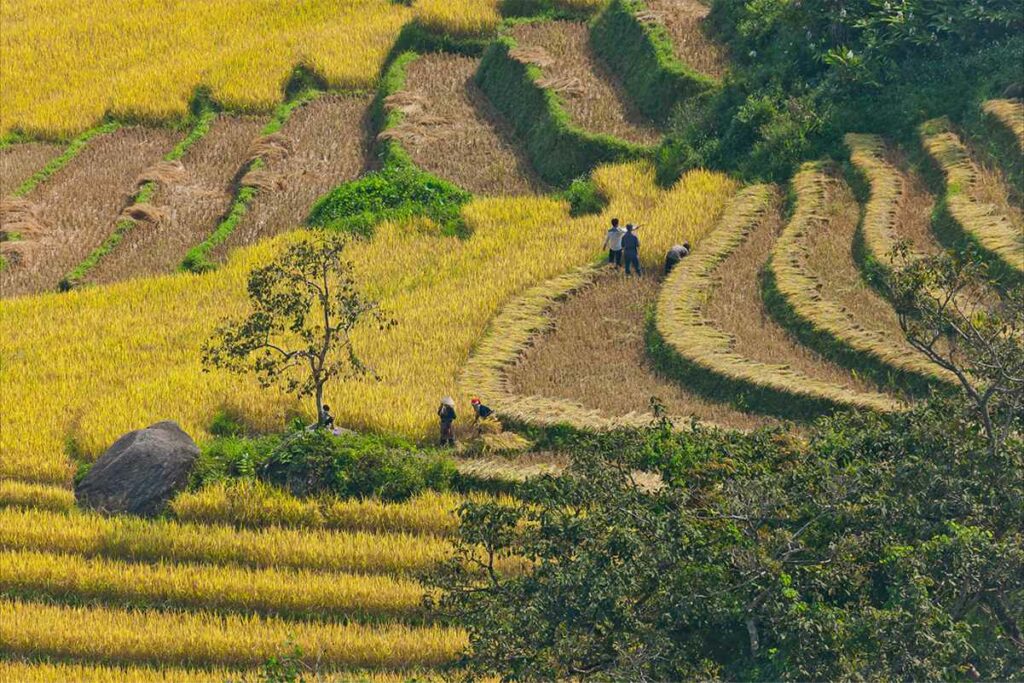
(144, 59)
(87, 366)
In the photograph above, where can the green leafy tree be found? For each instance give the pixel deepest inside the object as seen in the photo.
(305, 307)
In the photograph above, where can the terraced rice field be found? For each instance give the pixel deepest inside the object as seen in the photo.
(19, 161)
(813, 267)
(450, 129)
(326, 143)
(77, 208)
(188, 205)
(595, 355)
(590, 93)
(684, 20)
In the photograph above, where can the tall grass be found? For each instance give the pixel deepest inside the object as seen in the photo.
(62, 354)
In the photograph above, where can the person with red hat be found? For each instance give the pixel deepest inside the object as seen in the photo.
(481, 411)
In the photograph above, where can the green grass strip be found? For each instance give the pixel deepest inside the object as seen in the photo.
(197, 260)
(203, 122)
(60, 162)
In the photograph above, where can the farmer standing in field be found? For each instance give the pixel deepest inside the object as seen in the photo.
(613, 243)
(446, 413)
(676, 254)
(631, 248)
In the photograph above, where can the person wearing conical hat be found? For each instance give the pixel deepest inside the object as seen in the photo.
(446, 413)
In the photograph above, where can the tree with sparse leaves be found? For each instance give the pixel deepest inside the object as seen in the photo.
(304, 308)
(949, 314)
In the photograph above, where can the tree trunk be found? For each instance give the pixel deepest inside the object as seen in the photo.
(319, 404)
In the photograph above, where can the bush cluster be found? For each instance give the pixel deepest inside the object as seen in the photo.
(311, 462)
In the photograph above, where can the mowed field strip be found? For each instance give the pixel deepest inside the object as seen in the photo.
(593, 353)
(593, 98)
(450, 129)
(64, 352)
(684, 22)
(19, 161)
(191, 199)
(322, 145)
(711, 312)
(77, 208)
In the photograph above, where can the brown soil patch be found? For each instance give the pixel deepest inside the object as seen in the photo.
(79, 206)
(830, 260)
(914, 216)
(452, 130)
(595, 355)
(737, 308)
(591, 94)
(326, 145)
(18, 163)
(684, 21)
(188, 204)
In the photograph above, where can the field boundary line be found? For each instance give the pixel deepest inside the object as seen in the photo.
(974, 221)
(792, 294)
(641, 54)
(203, 121)
(559, 150)
(706, 351)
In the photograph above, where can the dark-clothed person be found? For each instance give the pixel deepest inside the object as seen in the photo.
(631, 250)
(446, 413)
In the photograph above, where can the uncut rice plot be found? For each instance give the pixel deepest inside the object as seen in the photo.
(684, 21)
(594, 355)
(18, 163)
(78, 207)
(736, 307)
(451, 129)
(187, 207)
(590, 93)
(327, 146)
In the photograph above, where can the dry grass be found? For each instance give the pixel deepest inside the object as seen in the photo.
(814, 270)
(81, 203)
(684, 21)
(1011, 114)
(116, 636)
(18, 163)
(711, 312)
(253, 504)
(519, 468)
(190, 202)
(977, 195)
(301, 594)
(594, 354)
(47, 672)
(322, 145)
(591, 94)
(138, 540)
(450, 129)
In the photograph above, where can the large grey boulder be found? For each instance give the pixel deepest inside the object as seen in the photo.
(140, 472)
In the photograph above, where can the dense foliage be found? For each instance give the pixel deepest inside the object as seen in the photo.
(806, 72)
(309, 462)
(877, 548)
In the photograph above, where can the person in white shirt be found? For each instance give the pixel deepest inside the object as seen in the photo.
(613, 243)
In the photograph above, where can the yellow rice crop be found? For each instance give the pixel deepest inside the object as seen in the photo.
(267, 591)
(25, 494)
(29, 672)
(254, 504)
(67, 63)
(1009, 113)
(118, 636)
(154, 541)
(96, 363)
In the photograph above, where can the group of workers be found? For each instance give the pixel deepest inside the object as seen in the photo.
(446, 413)
(624, 248)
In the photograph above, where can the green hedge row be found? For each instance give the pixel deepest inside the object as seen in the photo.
(559, 151)
(642, 56)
